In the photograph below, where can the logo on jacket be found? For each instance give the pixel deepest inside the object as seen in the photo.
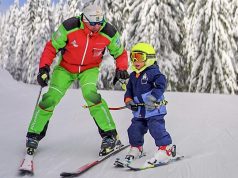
(57, 35)
(144, 79)
(97, 52)
(74, 43)
(118, 42)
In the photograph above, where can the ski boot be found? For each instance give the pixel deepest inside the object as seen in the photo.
(134, 153)
(31, 146)
(163, 155)
(109, 143)
(27, 163)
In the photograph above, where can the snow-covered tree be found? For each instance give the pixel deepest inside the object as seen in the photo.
(39, 32)
(2, 29)
(58, 10)
(74, 8)
(106, 76)
(10, 36)
(30, 27)
(160, 24)
(209, 47)
(234, 15)
(20, 46)
(116, 12)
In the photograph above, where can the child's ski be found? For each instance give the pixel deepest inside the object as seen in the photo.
(151, 165)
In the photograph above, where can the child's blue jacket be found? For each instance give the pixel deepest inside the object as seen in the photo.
(150, 82)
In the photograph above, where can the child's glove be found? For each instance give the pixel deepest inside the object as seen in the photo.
(151, 103)
(131, 105)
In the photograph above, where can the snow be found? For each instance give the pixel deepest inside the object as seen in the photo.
(203, 126)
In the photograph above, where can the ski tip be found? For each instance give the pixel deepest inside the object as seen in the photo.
(67, 174)
(179, 157)
(134, 168)
(23, 172)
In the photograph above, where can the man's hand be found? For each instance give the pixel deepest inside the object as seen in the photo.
(120, 74)
(43, 76)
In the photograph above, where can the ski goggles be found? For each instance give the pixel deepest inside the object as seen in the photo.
(94, 23)
(140, 56)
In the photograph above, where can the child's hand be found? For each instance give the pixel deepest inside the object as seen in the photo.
(131, 105)
(150, 103)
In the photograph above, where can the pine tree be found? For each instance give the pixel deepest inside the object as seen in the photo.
(5, 40)
(2, 28)
(209, 47)
(11, 32)
(74, 8)
(20, 45)
(30, 27)
(58, 14)
(39, 29)
(106, 75)
(160, 24)
(234, 16)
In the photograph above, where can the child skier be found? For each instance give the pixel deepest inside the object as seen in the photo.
(146, 85)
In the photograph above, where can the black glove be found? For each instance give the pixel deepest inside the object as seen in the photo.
(132, 106)
(43, 76)
(120, 74)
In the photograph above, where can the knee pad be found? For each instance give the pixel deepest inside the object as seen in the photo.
(92, 96)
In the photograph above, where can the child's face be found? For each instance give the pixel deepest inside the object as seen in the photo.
(138, 59)
(139, 64)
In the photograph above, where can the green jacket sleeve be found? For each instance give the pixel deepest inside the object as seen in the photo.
(115, 47)
(59, 38)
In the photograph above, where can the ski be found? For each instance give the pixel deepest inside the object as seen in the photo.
(177, 158)
(122, 163)
(23, 172)
(87, 166)
(26, 167)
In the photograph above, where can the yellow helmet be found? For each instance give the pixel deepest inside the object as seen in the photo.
(143, 47)
(149, 55)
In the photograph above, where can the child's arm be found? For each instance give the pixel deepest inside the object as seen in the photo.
(128, 93)
(159, 85)
(128, 98)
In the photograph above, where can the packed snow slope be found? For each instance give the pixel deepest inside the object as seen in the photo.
(203, 126)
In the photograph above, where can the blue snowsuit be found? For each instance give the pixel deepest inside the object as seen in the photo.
(150, 82)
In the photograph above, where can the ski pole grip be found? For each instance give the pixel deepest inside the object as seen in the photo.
(44, 76)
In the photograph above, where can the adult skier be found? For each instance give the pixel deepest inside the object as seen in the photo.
(82, 42)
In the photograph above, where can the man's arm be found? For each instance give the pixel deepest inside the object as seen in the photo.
(57, 42)
(117, 50)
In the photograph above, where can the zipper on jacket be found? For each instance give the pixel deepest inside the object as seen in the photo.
(84, 54)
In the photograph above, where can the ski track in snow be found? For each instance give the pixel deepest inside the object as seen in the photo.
(203, 126)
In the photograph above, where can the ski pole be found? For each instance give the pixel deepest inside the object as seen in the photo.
(157, 104)
(38, 98)
(44, 76)
(123, 84)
